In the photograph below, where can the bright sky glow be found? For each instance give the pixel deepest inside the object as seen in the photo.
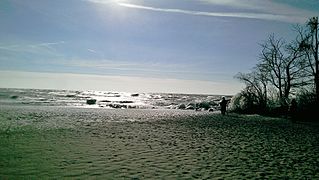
(175, 43)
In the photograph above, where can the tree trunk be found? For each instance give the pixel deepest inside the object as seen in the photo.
(316, 58)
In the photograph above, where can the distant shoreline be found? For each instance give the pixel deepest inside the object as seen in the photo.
(108, 99)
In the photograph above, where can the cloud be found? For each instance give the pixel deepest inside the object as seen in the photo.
(30, 47)
(92, 51)
(149, 69)
(249, 9)
(263, 16)
(48, 44)
(38, 52)
(107, 64)
(264, 5)
(293, 14)
(100, 1)
(68, 81)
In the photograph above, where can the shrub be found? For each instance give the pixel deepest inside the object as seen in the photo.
(307, 106)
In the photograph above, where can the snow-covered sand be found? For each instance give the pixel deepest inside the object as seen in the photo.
(81, 143)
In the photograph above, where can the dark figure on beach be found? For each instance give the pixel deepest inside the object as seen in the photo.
(293, 110)
(223, 104)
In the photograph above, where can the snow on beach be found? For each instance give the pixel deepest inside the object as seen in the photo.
(81, 143)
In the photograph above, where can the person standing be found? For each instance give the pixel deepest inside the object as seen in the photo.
(223, 104)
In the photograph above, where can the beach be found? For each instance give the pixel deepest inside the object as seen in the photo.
(43, 142)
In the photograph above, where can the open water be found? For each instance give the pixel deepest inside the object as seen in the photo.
(106, 99)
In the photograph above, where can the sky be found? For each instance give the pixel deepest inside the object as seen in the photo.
(176, 46)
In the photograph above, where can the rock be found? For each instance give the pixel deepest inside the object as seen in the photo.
(126, 102)
(118, 106)
(14, 97)
(210, 110)
(105, 101)
(190, 107)
(134, 95)
(204, 105)
(131, 107)
(172, 106)
(90, 101)
(181, 106)
(70, 95)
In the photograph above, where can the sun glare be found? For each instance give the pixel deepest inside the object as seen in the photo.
(111, 7)
(120, 1)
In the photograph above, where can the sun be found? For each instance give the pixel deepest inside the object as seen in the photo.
(115, 8)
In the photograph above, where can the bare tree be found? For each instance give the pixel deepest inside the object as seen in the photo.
(272, 60)
(309, 43)
(296, 74)
(256, 87)
(284, 66)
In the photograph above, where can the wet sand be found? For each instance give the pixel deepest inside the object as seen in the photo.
(78, 143)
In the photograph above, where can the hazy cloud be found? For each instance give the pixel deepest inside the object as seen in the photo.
(263, 16)
(263, 10)
(68, 81)
(293, 14)
(48, 44)
(128, 66)
(30, 47)
(92, 50)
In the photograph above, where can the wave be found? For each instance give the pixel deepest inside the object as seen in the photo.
(107, 99)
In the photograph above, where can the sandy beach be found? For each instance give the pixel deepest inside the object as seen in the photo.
(82, 143)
